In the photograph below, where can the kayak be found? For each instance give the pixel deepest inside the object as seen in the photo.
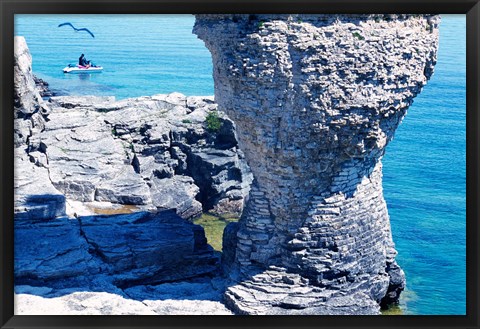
(82, 69)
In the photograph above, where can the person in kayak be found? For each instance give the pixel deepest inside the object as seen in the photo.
(82, 61)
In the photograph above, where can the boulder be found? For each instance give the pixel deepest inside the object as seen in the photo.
(178, 193)
(219, 177)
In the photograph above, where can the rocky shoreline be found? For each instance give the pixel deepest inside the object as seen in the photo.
(315, 100)
(152, 163)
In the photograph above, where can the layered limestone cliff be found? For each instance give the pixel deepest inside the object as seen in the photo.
(316, 99)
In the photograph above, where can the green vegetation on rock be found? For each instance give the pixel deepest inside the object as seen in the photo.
(213, 121)
(358, 36)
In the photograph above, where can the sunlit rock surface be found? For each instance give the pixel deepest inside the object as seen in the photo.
(153, 151)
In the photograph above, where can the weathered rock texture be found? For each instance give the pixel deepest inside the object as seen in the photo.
(316, 99)
(122, 250)
(145, 151)
(199, 297)
(152, 151)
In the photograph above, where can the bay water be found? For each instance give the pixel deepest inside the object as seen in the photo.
(424, 166)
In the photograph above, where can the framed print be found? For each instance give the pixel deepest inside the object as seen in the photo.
(290, 164)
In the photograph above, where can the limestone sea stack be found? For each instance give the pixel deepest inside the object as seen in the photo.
(316, 99)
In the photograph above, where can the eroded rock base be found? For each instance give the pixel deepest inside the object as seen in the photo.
(277, 292)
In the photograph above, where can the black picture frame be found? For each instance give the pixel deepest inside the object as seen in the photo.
(11, 7)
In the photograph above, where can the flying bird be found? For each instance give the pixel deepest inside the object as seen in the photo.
(82, 29)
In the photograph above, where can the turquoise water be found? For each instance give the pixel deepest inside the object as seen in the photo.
(141, 55)
(425, 184)
(424, 166)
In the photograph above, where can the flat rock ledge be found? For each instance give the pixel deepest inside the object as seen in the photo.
(198, 297)
(129, 249)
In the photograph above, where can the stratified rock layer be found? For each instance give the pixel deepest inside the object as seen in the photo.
(122, 250)
(316, 98)
(153, 151)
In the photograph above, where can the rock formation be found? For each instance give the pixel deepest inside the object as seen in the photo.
(155, 151)
(197, 297)
(316, 99)
(76, 153)
(121, 250)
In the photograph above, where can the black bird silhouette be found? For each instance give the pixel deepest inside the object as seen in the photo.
(82, 29)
